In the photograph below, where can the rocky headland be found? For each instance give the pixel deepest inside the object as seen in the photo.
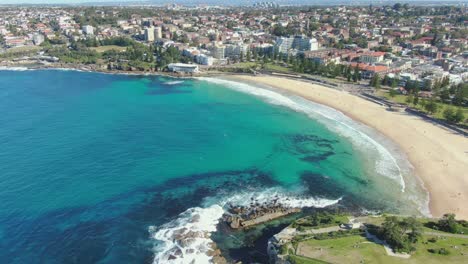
(238, 217)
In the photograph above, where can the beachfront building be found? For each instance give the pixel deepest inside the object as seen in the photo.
(204, 59)
(283, 44)
(182, 67)
(219, 51)
(235, 50)
(372, 57)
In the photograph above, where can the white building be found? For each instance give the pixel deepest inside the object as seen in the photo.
(204, 60)
(182, 67)
(88, 30)
(38, 38)
(303, 43)
(235, 50)
(218, 51)
(284, 44)
(372, 57)
(149, 34)
(158, 33)
(300, 43)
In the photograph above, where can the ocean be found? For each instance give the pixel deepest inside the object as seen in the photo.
(101, 168)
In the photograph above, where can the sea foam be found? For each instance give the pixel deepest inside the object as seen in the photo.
(385, 163)
(173, 82)
(187, 239)
(6, 68)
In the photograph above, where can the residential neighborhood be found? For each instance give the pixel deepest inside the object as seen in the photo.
(405, 47)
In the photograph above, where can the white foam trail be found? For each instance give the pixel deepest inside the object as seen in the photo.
(6, 68)
(385, 164)
(173, 82)
(266, 196)
(187, 239)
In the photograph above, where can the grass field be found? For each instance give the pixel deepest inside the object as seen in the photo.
(399, 98)
(109, 47)
(304, 260)
(357, 249)
(277, 68)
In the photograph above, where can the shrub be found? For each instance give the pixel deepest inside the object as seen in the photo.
(448, 224)
(440, 251)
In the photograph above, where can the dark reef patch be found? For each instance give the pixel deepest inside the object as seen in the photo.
(318, 156)
(66, 236)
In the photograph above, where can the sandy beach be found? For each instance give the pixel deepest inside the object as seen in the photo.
(439, 156)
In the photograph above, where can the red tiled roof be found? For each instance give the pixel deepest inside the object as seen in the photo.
(371, 68)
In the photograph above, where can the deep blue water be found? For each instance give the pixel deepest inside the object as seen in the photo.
(89, 162)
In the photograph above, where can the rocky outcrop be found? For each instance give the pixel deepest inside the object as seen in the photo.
(245, 216)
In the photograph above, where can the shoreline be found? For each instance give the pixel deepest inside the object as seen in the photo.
(437, 155)
(408, 132)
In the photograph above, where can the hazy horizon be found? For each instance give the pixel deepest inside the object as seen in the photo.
(218, 2)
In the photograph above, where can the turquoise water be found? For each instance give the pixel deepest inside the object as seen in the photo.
(93, 166)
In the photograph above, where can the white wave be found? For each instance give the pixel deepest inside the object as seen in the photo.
(173, 82)
(187, 239)
(68, 69)
(6, 68)
(385, 163)
(283, 198)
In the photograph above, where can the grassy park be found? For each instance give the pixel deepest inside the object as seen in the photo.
(437, 241)
(404, 99)
(357, 249)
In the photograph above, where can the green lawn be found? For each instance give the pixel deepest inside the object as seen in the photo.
(109, 47)
(245, 64)
(277, 68)
(304, 260)
(399, 98)
(357, 249)
(306, 222)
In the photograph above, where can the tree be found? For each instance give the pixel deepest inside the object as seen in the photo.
(445, 95)
(449, 114)
(375, 81)
(453, 116)
(386, 80)
(392, 93)
(445, 82)
(397, 6)
(357, 74)
(448, 223)
(401, 234)
(415, 100)
(409, 99)
(249, 55)
(431, 107)
(459, 116)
